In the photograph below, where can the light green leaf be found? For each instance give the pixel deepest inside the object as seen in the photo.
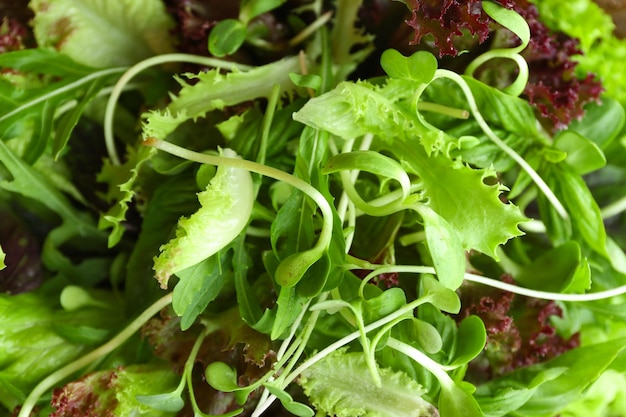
(445, 248)
(213, 90)
(121, 181)
(101, 33)
(453, 190)
(226, 206)
(253, 8)
(342, 385)
(370, 161)
(510, 20)
(459, 195)
(2, 258)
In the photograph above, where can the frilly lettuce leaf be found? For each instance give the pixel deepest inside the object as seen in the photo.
(103, 33)
(226, 206)
(341, 385)
(213, 90)
(121, 180)
(453, 190)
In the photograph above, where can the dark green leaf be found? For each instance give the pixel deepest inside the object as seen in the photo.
(290, 305)
(69, 120)
(295, 408)
(43, 61)
(552, 271)
(198, 286)
(227, 37)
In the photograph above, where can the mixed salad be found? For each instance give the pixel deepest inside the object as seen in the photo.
(306, 207)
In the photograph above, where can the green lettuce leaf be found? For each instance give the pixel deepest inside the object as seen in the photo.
(213, 90)
(226, 206)
(453, 190)
(121, 181)
(36, 338)
(103, 34)
(341, 385)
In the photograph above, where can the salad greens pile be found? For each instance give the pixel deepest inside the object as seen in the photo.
(289, 207)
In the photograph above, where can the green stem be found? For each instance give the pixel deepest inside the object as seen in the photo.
(527, 292)
(140, 67)
(311, 29)
(614, 208)
(441, 109)
(92, 356)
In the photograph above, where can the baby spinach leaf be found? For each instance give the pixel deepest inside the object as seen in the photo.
(583, 155)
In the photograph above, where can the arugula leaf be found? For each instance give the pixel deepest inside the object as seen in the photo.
(199, 285)
(103, 35)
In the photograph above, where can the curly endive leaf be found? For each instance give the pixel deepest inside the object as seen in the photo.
(341, 385)
(213, 90)
(226, 206)
(121, 180)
